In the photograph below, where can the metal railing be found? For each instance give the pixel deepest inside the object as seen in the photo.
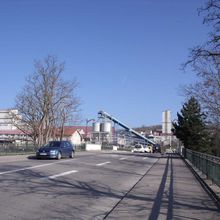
(11, 149)
(207, 164)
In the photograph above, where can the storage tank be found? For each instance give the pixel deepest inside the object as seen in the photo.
(106, 127)
(96, 127)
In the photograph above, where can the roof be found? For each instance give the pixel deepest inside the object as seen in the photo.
(68, 131)
(12, 132)
(72, 129)
(89, 128)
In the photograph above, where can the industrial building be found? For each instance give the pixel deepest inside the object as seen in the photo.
(8, 131)
(7, 120)
(11, 135)
(103, 130)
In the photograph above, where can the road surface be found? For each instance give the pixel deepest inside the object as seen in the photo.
(102, 185)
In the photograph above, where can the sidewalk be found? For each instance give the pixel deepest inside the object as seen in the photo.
(168, 191)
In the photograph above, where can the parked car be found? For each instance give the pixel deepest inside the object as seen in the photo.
(56, 150)
(138, 148)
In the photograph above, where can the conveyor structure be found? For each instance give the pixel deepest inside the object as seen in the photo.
(103, 114)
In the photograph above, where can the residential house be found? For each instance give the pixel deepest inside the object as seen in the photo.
(71, 133)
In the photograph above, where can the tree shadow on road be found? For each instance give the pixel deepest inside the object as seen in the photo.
(78, 195)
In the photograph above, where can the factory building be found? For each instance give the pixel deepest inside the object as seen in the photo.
(8, 131)
(7, 119)
(102, 132)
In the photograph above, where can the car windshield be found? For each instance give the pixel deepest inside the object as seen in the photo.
(53, 144)
(138, 146)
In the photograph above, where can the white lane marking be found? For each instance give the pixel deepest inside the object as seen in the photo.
(101, 164)
(145, 158)
(123, 158)
(28, 168)
(61, 174)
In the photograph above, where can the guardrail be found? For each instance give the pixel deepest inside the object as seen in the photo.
(10, 149)
(207, 164)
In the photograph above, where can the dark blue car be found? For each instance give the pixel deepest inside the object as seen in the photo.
(56, 150)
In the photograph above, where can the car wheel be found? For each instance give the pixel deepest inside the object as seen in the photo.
(59, 156)
(72, 154)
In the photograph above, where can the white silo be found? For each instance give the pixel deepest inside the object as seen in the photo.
(166, 122)
(96, 127)
(106, 127)
(106, 131)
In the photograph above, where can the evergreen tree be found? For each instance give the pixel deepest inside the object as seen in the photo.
(190, 127)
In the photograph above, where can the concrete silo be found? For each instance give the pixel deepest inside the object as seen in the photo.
(106, 127)
(166, 129)
(166, 122)
(96, 127)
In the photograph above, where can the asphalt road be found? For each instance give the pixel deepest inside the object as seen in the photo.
(104, 185)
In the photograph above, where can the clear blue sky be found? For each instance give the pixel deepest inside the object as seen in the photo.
(126, 54)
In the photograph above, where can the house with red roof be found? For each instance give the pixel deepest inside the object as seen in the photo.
(75, 134)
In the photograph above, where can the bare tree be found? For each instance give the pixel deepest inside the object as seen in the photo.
(47, 101)
(205, 61)
(209, 49)
(207, 89)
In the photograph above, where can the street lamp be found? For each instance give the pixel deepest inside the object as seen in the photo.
(87, 121)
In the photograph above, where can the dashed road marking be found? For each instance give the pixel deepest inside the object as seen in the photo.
(29, 168)
(123, 158)
(26, 168)
(101, 164)
(60, 174)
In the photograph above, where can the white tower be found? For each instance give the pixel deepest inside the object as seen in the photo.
(166, 122)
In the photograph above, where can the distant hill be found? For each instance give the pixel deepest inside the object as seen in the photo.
(148, 129)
